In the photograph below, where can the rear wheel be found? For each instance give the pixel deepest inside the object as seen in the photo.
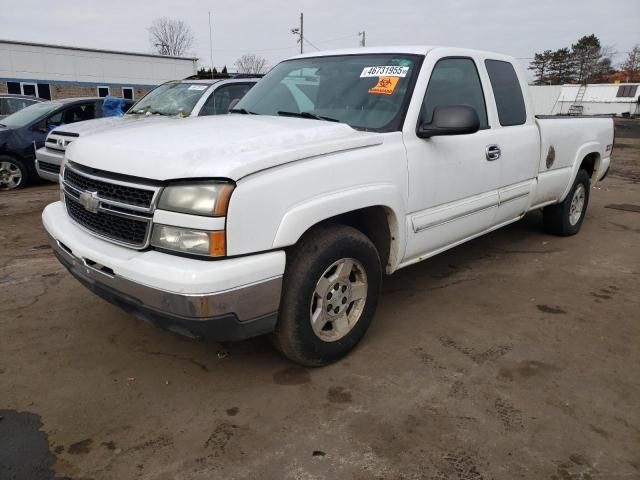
(566, 218)
(330, 293)
(13, 173)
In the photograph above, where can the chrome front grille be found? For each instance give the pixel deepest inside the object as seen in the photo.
(49, 167)
(114, 210)
(124, 194)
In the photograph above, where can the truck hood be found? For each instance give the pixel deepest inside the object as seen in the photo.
(225, 146)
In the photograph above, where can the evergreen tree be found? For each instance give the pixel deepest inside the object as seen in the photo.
(540, 65)
(590, 61)
(561, 67)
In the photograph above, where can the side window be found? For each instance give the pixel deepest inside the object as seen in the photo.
(103, 91)
(72, 115)
(507, 92)
(454, 81)
(219, 101)
(14, 87)
(127, 93)
(55, 120)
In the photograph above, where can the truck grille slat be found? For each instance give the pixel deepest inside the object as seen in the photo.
(110, 191)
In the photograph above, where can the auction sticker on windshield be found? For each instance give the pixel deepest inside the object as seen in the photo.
(384, 71)
(197, 87)
(385, 85)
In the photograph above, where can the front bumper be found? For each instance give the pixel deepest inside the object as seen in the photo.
(195, 306)
(48, 163)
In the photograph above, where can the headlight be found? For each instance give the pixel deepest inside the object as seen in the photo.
(186, 240)
(63, 164)
(209, 199)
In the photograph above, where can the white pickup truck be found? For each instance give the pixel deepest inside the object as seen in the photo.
(282, 217)
(170, 101)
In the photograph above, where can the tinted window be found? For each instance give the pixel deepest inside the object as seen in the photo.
(507, 92)
(627, 91)
(454, 81)
(13, 87)
(29, 89)
(44, 91)
(218, 103)
(13, 105)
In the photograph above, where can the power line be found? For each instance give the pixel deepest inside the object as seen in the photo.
(306, 40)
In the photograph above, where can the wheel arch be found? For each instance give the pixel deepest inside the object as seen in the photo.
(379, 220)
(589, 157)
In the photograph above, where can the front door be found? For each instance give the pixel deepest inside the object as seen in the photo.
(453, 184)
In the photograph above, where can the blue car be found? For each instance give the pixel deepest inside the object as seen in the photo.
(23, 132)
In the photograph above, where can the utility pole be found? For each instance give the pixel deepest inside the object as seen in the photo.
(300, 32)
(363, 35)
(210, 45)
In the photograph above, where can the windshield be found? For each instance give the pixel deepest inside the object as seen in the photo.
(171, 99)
(29, 114)
(368, 92)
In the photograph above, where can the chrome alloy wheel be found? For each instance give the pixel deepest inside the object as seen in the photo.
(577, 204)
(338, 300)
(10, 175)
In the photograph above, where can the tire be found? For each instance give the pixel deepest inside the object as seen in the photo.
(318, 263)
(566, 218)
(13, 173)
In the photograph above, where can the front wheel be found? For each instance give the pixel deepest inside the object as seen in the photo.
(330, 293)
(566, 218)
(13, 173)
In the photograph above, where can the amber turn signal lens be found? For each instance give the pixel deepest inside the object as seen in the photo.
(217, 245)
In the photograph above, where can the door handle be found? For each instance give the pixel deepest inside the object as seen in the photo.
(492, 152)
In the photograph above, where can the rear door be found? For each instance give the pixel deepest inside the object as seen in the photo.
(517, 150)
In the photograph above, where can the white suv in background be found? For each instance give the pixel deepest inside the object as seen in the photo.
(171, 100)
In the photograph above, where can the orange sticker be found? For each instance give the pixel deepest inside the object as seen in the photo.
(385, 85)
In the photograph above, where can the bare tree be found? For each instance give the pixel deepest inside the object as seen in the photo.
(251, 63)
(170, 37)
(631, 66)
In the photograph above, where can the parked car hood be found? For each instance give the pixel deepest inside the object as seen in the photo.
(225, 146)
(98, 124)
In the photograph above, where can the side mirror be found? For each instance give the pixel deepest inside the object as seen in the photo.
(450, 120)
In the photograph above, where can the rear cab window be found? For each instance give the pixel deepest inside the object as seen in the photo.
(507, 93)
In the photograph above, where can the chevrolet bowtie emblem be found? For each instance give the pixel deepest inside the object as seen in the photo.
(90, 201)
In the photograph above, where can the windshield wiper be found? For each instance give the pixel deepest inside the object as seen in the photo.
(243, 111)
(306, 115)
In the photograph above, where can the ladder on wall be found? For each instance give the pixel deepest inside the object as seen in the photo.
(577, 108)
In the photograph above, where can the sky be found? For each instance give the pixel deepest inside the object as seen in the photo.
(513, 27)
